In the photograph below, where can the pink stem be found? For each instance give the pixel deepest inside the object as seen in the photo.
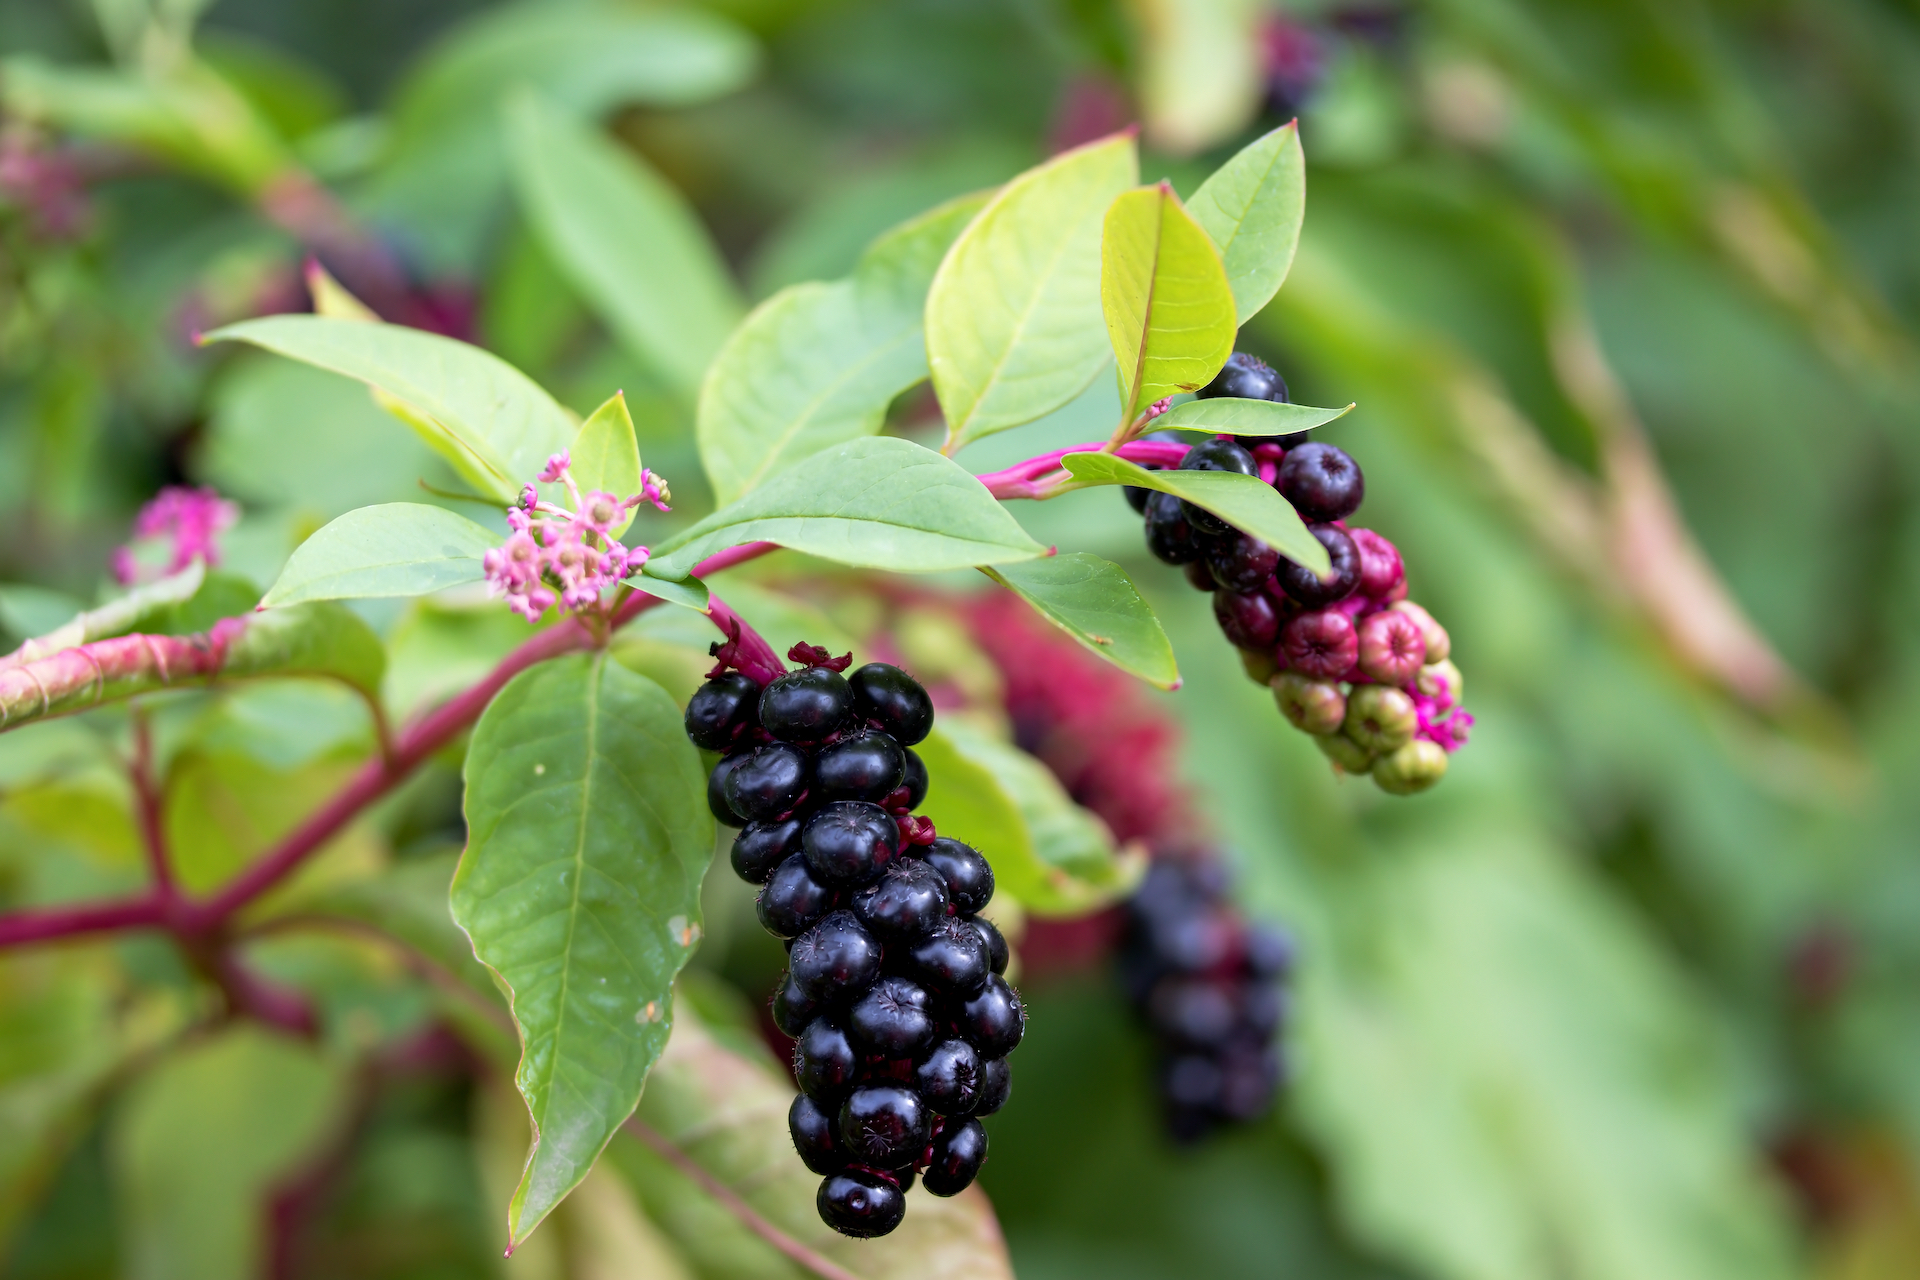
(1040, 477)
(732, 556)
(755, 657)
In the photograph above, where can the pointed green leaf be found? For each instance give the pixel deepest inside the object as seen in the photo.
(606, 456)
(1013, 317)
(818, 363)
(688, 593)
(580, 888)
(1228, 416)
(882, 503)
(1095, 602)
(1242, 501)
(494, 424)
(1252, 207)
(1168, 306)
(394, 549)
(116, 617)
(626, 239)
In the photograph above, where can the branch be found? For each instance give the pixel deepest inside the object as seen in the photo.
(89, 674)
(146, 793)
(1042, 477)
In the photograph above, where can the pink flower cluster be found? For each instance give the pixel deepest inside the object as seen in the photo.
(570, 557)
(193, 518)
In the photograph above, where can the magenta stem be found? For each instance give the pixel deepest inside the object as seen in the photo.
(1041, 477)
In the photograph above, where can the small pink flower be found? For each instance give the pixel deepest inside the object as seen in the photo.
(557, 466)
(600, 511)
(193, 518)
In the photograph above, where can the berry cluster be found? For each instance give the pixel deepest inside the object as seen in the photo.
(1207, 983)
(1350, 659)
(893, 993)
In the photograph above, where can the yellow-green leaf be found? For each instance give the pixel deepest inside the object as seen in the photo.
(1168, 305)
(606, 455)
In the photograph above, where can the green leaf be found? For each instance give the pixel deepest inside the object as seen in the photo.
(394, 549)
(626, 240)
(203, 1141)
(728, 1111)
(817, 363)
(1095, 602)
(1168, 307)
(491, 421)
(606, 455)
(27, 610)
(1013, 317)
(1229, 416)
(1053, 856)
(688, 593)
(317, 639)
(1199, 70)
(879, 504)
(1253, 206)
(1242, 501)
(580, 888)
(116, 617)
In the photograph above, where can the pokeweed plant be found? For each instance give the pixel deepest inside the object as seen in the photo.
(589, 809)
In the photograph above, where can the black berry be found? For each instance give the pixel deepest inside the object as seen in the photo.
(1199, 576)
(969, 878)
(949, 1078)
(996, 1086)
(913, 786)
(1269, 951)
(834, 960)
(1245, 377)
(1239, 562)
(717, 791)
(1214, 455)
(1302, 584)
(906, 902)
(893, 1018)
(885, 1126)
(1195, 1012)
(1169, 536)
(721, 708)
(768, 782)
(793, 1010)
(866, 766)
(860, 1204)
(1136, 497)
(850, 842)
(997, 953)
(994, 1020)
(816, 1135)
(958, 1153)
(824, 1063)
(893, 699)
(1248, 620)
(805, 706)
(951, 959)
(762, 846)
(792, 900)
(1321, 482)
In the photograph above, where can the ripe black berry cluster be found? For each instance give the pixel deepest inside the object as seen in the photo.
(1208, 984)
(901, 1019)
(1350, 659)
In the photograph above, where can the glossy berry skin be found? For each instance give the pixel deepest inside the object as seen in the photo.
(969, 878)
(1392, 650)
(996, 1086)
(958, 1153)
(835, 960)
(1247, 620)
(1309, 588)
(1214, 455)
(1136, 497)
(793, 1011)
(913, 785)
(1321, 645)
(949, 1078)
(885, 1126)
(849, 842)
(792, 900)
(824, 1063)
(860, 1204)
(1169, 537)
(865, 766)
(1245, 377)
(1321, 481)
(994, 1020)
(717, 791)
(762, 846)
(720, 709)
(951, 959)
(894, 700)
(816, 1135)
(805, 706)
(1381, 570)
(905, 903)
(1199, 576)
(1380, 718)
(997, 952)
(893, 1018)
(768, 782)
(1311, 706)
(1238, 562)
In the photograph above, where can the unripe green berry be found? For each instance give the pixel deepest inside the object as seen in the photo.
(1438, 645)
(1347, 755)
(1414, 767)
(1261, 668)
(1380, 718)
(1312, 706)
(1437, 678)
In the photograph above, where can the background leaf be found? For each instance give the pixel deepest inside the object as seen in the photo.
(318, 639)
(139, 606)
(1095, 602)
(1200, 69)
(580, 888)
(394, 549)
(1227, 415)
(606, 456)
(1013, 319)
(1164, 292)
(1242, 501)
(1253, 206)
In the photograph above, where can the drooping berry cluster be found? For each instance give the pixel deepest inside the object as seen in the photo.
(893, 993)
(1208, 984)
(1350, 659)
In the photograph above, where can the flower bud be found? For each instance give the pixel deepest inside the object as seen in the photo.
(1440, 680)
(1260, 665)
(1347, 755)
(1380, 718)
(1414, 767)
(1392, 650)
(1312, 706)
(1381, 570)
(1438, 646)
(1321, 644)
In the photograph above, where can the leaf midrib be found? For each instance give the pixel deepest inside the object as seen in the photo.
(579, 869)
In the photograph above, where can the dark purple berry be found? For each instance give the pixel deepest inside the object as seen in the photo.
(949, 1078)
(996, 1086)
(885, 1126)
(997, 953)
(835, 960)
(1321, 645)
(720, 708)
(824, 1063)
(1240, 562)
(951, 959)
(994, 1020)
(958, 1153)
(1136, 497)
(793, 1010)
(768, 782)
(860, 1204)
(793, 900)
(865, 766)
(914, 787)
(1321, 482)
(1194, 940)
(1248, 1078)
(850, 842)
(969, 878)
(1249, 621)
(1169, 536)
(762, 846)
(1303, 584)
(1214, 455)
(1192, 1011)
(893, 1018)
(1262, 1007)
(1199, 576)
(894, 699)
(1193, 1081)
(1245, 377)
(816, 1135)
(717, 790)
(1269, 950)
(906, 902)
(805, 706)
